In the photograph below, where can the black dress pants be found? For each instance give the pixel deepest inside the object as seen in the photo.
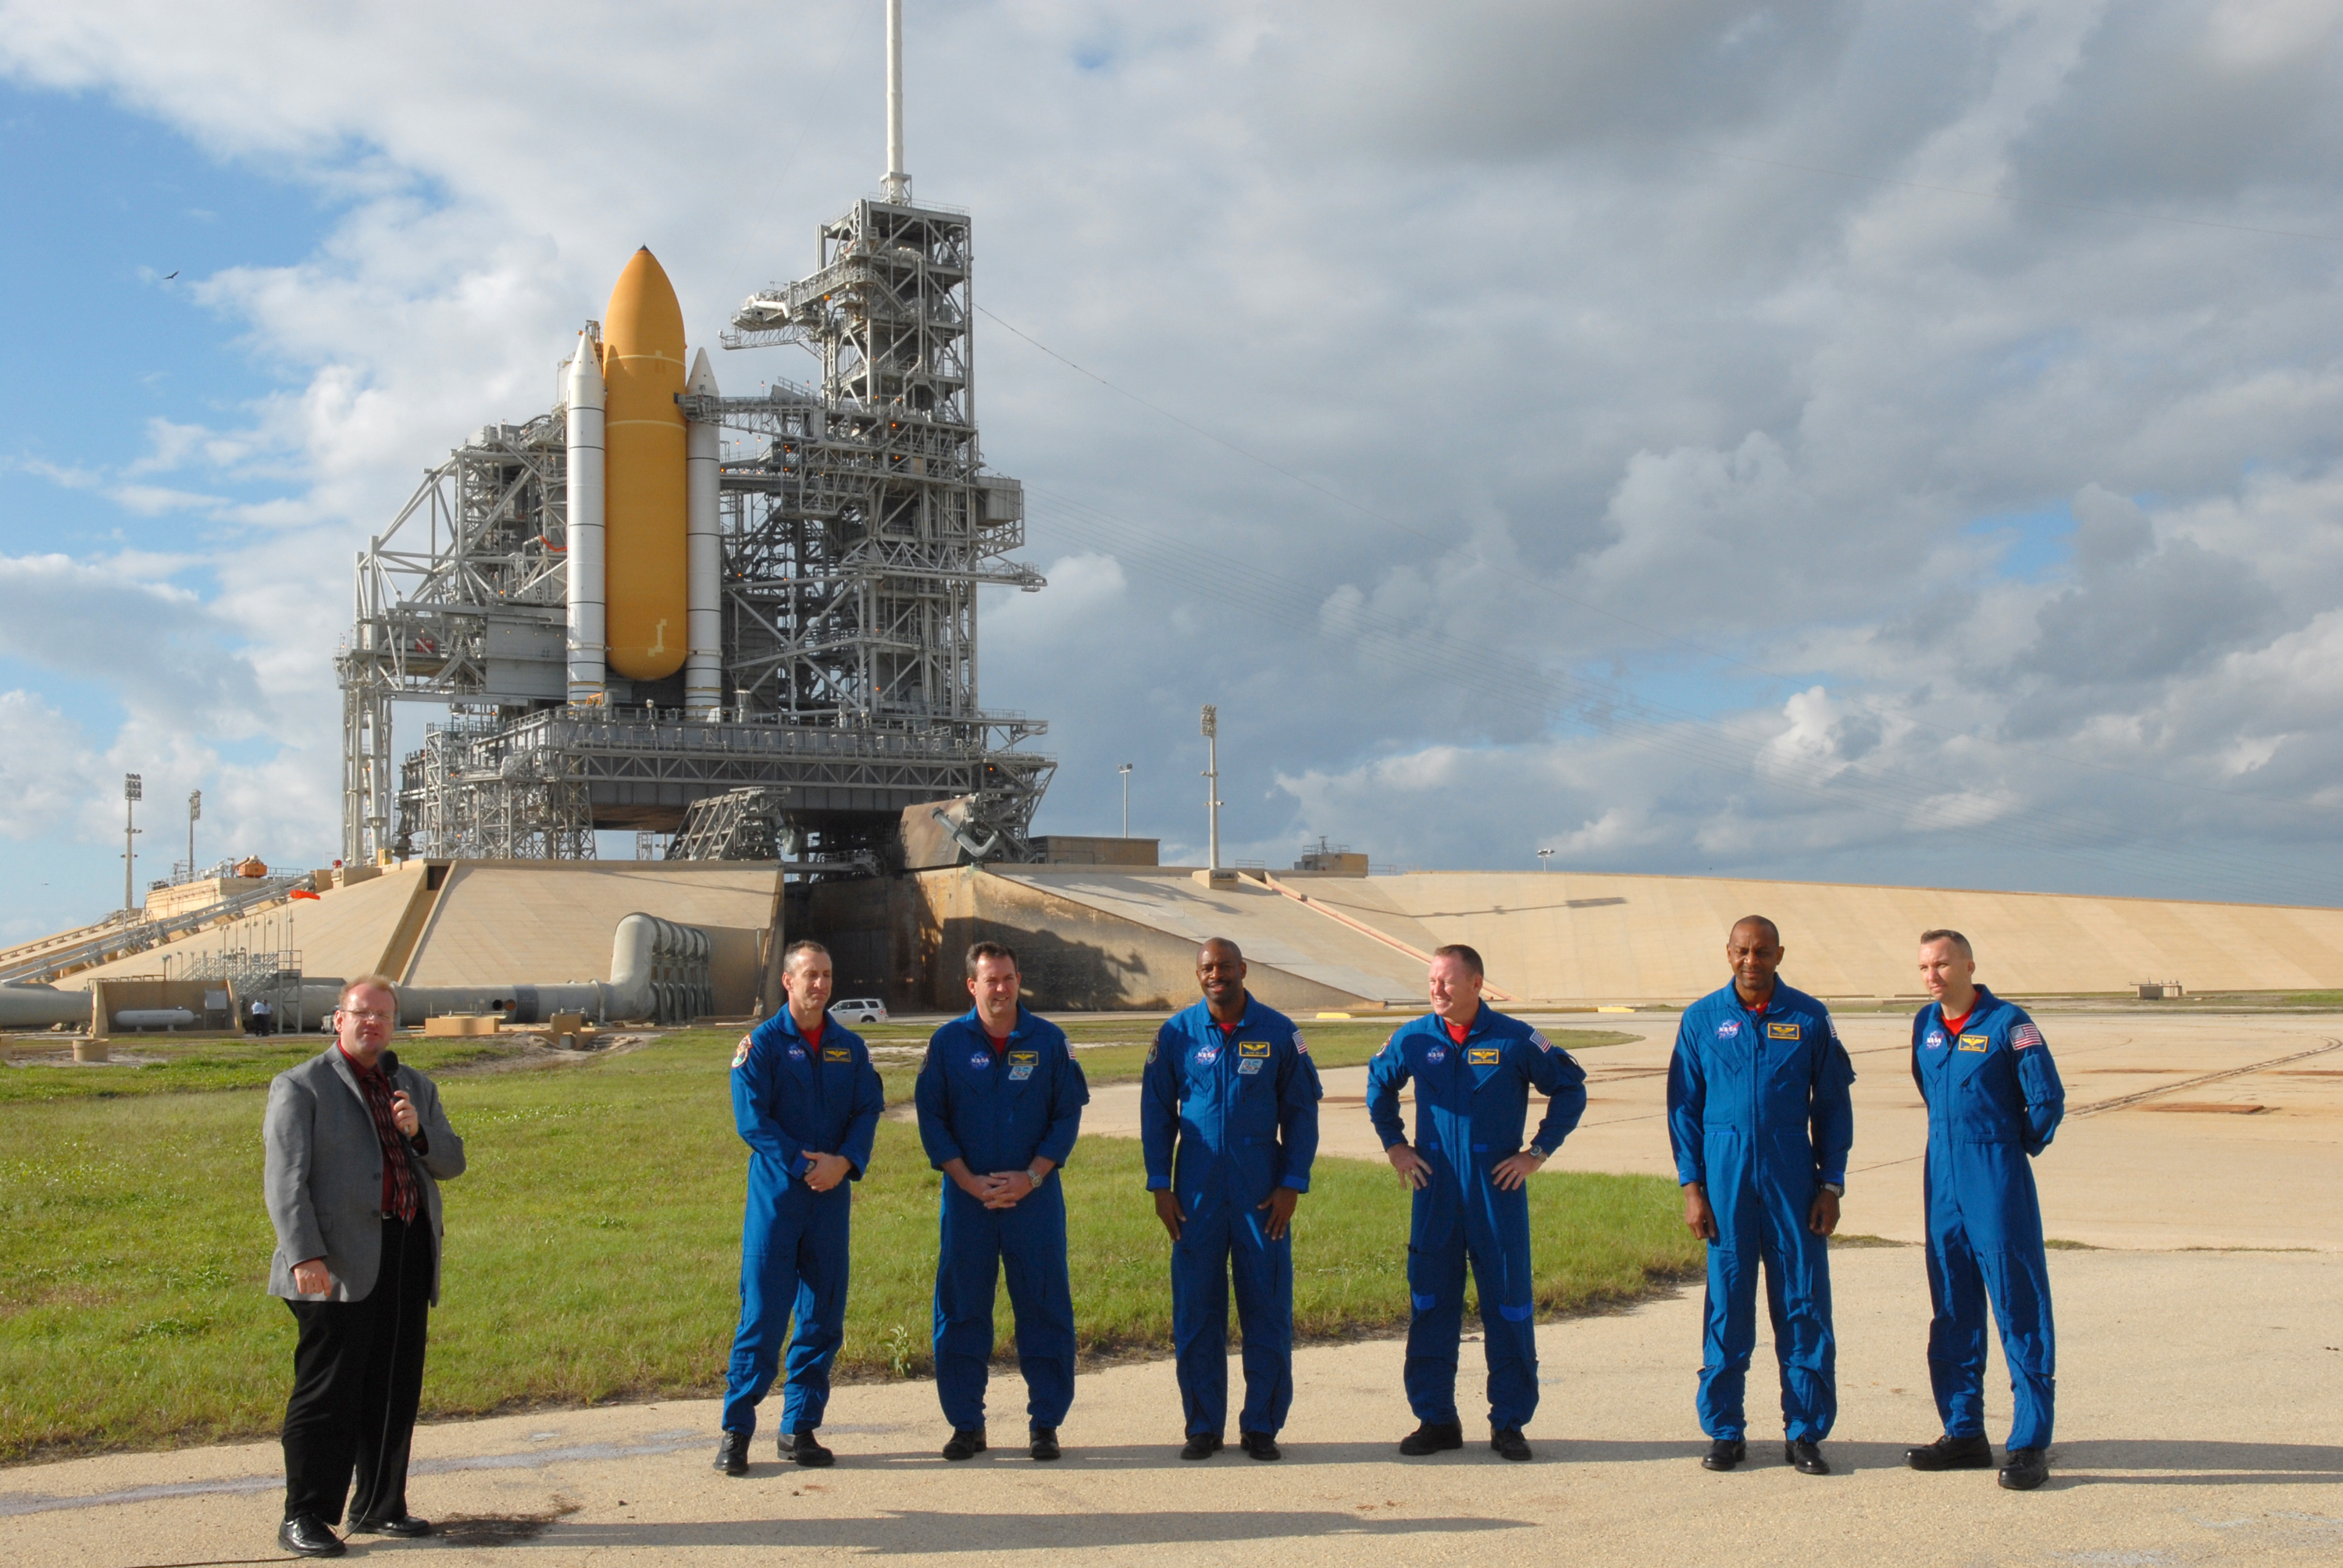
(358, 1378)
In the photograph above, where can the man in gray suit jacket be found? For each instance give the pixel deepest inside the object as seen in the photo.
(358, 1147)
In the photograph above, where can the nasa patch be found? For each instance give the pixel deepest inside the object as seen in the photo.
(1728, 1028)
(1209, 1055)
(979, 1060)
(797, 1053)
(740, 1051)
(1935, 1040)
(1436, 1055)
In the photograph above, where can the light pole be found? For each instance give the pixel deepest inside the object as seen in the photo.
(195, 810)
(1545, 858)
(1125, 771)
(1212, 779)
(134, 789)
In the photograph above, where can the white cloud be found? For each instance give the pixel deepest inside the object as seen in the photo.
(1659, 443)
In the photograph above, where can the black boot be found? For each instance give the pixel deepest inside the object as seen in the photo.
(1952, 1454)
(732, 1453)
(1431, 1437)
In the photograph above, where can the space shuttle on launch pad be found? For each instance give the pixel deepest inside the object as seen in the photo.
(643, 555)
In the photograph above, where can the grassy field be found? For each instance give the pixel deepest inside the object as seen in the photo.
(593, 1249)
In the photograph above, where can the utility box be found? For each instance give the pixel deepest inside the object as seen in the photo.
(1069, 850)
(461, 1026)
(2160, 991)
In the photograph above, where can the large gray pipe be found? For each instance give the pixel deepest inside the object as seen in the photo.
(41, 1007)
(658, 974)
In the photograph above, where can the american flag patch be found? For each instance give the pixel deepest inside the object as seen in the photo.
(1540, 1040)
(1300, 1046)
(2024, 1035)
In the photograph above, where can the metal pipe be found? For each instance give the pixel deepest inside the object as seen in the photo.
(587, 635)
(703, 666)
(1213, 780)
(898, 181)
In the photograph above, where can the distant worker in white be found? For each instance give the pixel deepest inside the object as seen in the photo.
(1994, 1102)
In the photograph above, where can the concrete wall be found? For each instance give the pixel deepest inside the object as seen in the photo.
(903, 939)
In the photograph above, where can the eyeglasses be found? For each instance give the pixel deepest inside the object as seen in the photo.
(364, 1014)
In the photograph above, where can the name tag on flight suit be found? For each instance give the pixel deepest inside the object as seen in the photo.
(1973, 1042)
(1781, 1031)
(1482, 1056)
(1252, 1056)
(837, 1053)
(1021, 1064)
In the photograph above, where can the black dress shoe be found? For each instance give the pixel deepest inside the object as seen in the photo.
(1509, 1442)
(1805, 1457)
(966, 1442)
(1259, 1444)
(1431, 1437)
(1202, 1445)
(803, 1447)
(1042, 1443)
(1952, 1454)
(732, 1453)
(306, 1535)
(1724, 1454)
(2027, 1469)
(405, 1525)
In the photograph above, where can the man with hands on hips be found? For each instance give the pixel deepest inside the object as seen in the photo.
(1000, 1100)
(1472, 1069)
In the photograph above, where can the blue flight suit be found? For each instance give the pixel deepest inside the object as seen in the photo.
(792, 1238)
(1225, 1119)
(1471, 1103)
(1994, 1100)
(1759, 1113)
(1000, 1113)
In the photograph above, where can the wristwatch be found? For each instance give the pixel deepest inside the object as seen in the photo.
(1036, 1176)
(1836, 1188)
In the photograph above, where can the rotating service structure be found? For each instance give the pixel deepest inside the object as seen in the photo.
(655, 594)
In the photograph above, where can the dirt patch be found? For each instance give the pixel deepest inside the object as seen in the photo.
(2207, 1107)
(537, 1053)
(500, 1529)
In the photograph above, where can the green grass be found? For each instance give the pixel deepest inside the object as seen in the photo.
(208, 1066)
(593, 1249)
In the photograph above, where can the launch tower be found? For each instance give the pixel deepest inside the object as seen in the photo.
(854, 523)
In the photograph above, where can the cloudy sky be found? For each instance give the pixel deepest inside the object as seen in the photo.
(1886, 442)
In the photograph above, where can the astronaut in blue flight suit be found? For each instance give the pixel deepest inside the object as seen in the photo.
(1994, 1101)
(1473, 1068)
(1000, 1100)
(807, 1101)
(1228, 1124)
(1761, 1119)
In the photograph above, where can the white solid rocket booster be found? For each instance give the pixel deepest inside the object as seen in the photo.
(586, 636)
(703, 673)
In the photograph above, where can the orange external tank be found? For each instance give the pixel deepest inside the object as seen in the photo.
(644, 546)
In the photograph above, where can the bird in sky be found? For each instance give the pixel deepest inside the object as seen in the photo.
(170, 275)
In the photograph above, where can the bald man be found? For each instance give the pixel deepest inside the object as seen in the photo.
(1761, 1119)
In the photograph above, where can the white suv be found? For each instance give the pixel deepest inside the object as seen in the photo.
(864, 1010)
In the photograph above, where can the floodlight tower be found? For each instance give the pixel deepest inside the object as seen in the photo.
(1125, 771)
(1213, 780)
(134, 789)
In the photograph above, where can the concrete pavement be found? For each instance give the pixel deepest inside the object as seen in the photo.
(2200, 1420)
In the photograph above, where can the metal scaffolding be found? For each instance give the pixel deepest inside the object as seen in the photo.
(857, 524)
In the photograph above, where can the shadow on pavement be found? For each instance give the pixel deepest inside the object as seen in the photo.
(2178, 1463)
(907, 1533)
